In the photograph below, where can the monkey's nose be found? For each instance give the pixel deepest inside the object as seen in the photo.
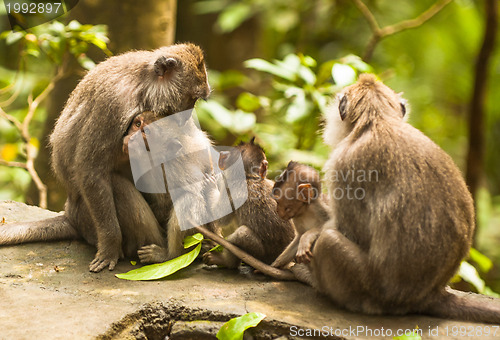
(165, 65)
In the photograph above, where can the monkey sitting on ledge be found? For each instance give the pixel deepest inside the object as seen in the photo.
(392, 249)
(103, 206)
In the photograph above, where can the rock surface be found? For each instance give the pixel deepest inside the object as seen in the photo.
(47, 292)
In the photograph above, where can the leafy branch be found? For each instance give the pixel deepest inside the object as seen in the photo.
(379, 33)
(55, 42)
(23, 128)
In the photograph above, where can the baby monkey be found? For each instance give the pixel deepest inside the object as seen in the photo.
(297, 192)
(138, 124)
(261, 232)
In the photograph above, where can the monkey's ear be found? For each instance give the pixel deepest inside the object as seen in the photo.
(343, 106)
(306, 193)
(223, 158)
(263, 169)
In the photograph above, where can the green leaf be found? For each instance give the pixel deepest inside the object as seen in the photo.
(242, 121)
(298, 109)
(234, 328)
(209, 6)
(233, 16)
(190, 241)
(161, 270)
(357, 63)
(222, 115)
(307, 75)
(86, 62)
(265, 66)
(413, 336)
(469, 274)
(343, 75)
(74, 25)
(248, 102)
(484, 263)
(13, 37)
(218, 248)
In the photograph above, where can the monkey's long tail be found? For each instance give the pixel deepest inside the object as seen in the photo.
(466, 307)
(266, 269)
(50, 229)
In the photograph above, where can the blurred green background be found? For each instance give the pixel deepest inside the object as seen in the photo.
(274, 67)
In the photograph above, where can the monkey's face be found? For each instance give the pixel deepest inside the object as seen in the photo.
(138, 124)
(287, 203)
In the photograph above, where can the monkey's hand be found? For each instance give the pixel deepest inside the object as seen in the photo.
(107, 258)
(303, 256)
(304, 250)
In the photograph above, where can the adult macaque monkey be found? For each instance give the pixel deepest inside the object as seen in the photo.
(393, 247)
(297, 192)
(103, 206)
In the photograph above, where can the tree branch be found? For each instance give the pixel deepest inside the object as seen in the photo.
(23, 129)
(380, 33)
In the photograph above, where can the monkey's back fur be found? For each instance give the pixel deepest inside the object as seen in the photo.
(274, 232)
(394, 246)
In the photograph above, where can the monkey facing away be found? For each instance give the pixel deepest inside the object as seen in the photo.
(393, 244)
(261, 232)
(103, 206)
(297, 192)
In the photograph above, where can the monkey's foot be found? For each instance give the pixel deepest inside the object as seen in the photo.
(101, 261)
(152, 254)
(213, 257)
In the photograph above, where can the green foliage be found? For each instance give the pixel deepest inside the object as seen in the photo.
(234, 328)
(43, 49)
(55, 39)
(469, 274)
(412, 336)
(161, 270)
(285, 113)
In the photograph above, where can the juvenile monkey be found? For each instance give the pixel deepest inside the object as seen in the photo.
(103, 206)
(393, 247)
(261, 232)
(297, 192)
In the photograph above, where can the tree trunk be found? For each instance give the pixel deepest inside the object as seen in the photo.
(475, 156)
(145, 24)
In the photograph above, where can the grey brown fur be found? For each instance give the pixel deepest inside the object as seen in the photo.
(394, 251)
(261, 232)
(103, 206)
(297, 192)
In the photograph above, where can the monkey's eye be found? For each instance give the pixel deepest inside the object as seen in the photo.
(138, 124)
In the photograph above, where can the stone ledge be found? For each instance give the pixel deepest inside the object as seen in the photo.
(47, 292)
